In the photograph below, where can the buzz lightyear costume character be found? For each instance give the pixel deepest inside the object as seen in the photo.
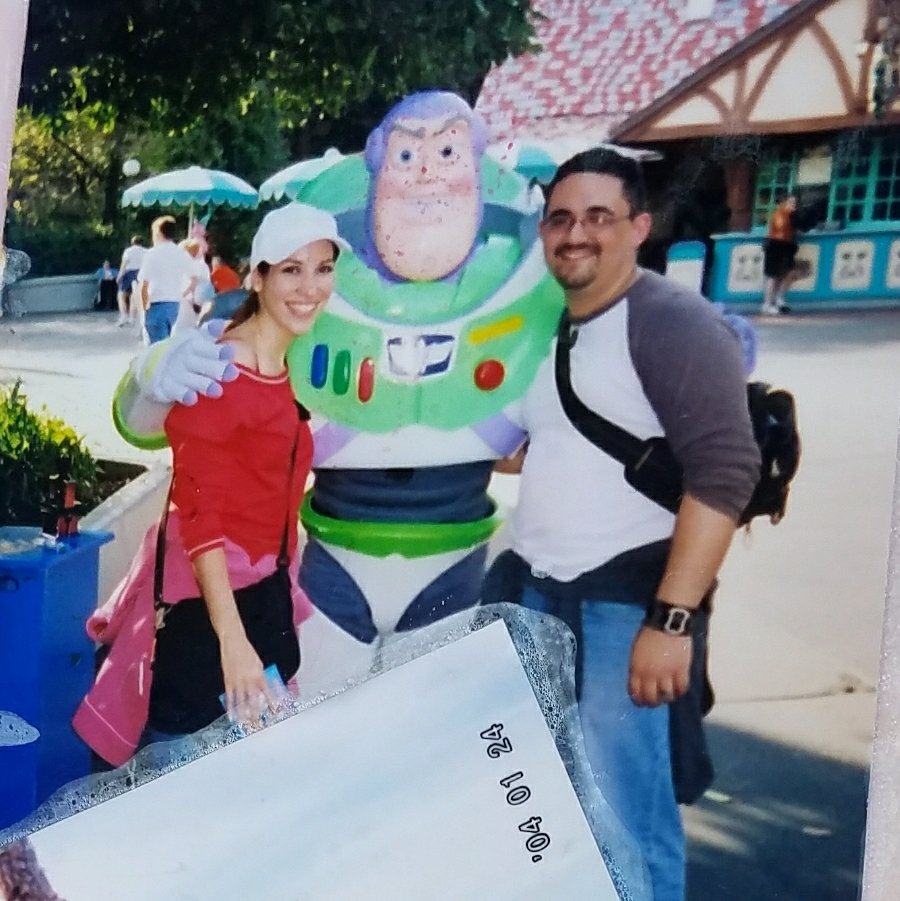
(441, 315)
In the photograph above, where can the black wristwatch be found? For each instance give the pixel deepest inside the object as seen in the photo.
(669, 618)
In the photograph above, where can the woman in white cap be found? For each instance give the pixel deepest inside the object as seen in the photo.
(223, 581)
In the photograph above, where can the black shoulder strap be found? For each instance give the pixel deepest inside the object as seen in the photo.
(610, 438)
(160, 558)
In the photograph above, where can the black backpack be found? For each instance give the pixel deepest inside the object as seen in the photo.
(773, 415)
(650, 465)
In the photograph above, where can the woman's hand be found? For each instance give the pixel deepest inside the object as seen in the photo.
(247, 691)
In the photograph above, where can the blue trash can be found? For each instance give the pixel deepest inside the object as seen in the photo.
(46, 660)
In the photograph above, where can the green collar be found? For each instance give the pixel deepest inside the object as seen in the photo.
(409, 539)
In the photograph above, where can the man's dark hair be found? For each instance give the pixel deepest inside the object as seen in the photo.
(137, 240)
(604, 161)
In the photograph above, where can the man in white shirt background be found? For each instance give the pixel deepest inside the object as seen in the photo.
(165, 271)
(132, 258)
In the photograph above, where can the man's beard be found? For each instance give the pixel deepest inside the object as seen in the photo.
(576, 278)
(575, 283)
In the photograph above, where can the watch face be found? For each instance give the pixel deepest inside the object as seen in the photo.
(670, 619)
(677, 621)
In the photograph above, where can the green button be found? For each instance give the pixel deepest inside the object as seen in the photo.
(341, 378)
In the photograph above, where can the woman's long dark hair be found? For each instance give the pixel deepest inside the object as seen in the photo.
(250, 307)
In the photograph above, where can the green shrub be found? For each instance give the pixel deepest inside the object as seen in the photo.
(37, 453)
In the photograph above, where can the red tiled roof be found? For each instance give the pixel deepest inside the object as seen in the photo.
(605, 60)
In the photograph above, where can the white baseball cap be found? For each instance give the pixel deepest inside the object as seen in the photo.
(284, 230)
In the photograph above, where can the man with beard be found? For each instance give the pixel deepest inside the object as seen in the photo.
(626, 574)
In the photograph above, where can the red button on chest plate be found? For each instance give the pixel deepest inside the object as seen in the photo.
(489, 374)
(365, 384)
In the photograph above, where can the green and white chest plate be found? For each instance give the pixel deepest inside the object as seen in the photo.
(443, 356)
(397, 374)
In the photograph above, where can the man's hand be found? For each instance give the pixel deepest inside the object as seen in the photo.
(660, 667)
(190, 364)
(512, 465)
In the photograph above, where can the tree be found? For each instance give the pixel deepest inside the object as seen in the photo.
(148, 59)
(366, 54)
(60, 169)
(56, 181)
(190, 81)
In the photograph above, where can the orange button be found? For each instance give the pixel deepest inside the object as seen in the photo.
(489, 374)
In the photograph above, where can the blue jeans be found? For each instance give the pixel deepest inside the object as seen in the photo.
(160, 318)
(627, 746)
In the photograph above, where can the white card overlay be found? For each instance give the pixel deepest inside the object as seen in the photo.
(387, 791)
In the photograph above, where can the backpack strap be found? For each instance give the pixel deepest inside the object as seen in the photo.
(649, 465)
(610, 438)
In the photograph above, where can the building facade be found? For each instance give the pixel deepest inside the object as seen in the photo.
(746, 101)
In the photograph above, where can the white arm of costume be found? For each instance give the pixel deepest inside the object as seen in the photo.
(177, 370)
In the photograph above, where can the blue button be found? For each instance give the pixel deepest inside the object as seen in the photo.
(318, 367)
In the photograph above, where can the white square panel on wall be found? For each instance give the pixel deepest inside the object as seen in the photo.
(745, 269)
(808, 254)
(852, 270)
(892, 276)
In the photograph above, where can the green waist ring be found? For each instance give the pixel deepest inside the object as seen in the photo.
(409, 539)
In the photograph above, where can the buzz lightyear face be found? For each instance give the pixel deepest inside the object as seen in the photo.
(426, 206)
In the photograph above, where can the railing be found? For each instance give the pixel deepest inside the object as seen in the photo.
(54, 294)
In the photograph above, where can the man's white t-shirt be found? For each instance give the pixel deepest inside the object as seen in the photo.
(660, 360)
(575, 510)
(166, 269)
(133, 257)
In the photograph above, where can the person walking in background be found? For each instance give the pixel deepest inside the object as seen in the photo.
(165, 271)
(223, 277)
(780, 251)
(229, 288)
(228, 602)
(198, 288)
(132, 257)
(626, 574)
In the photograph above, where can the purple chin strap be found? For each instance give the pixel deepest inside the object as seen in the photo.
(498, 432)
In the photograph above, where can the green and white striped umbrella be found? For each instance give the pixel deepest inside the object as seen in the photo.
(289, 182)
(192, 186)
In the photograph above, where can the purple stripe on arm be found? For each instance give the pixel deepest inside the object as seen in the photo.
(500, 433)
(330, 439)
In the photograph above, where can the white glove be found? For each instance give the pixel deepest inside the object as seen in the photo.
(189, 364)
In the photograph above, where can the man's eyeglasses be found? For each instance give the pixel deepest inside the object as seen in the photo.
(561, 222)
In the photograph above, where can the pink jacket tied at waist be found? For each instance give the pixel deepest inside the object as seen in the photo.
(114, 712)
